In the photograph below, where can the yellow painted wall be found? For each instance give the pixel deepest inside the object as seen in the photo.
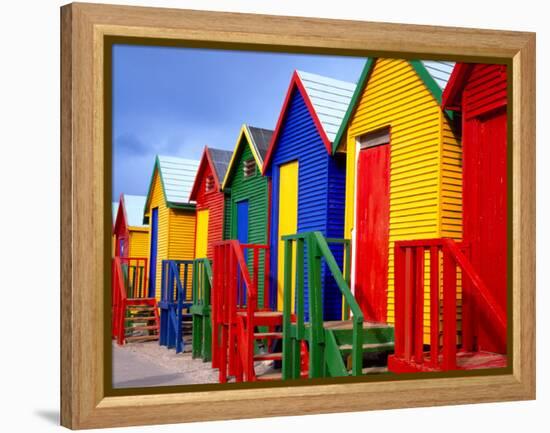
(139, 241)
(201, 241)
(176, 231)
(425, 185)
(288, 223)
(181, 242)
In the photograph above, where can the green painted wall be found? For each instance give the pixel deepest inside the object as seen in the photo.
(255, 190)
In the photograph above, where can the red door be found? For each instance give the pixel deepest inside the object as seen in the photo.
(372, 231)
(485, 219)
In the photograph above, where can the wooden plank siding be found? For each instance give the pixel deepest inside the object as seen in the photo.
(176, 231)
(479, 92)
(139, 241)
(213, 201)
(255, 190)
(425, 162)
(299, 140)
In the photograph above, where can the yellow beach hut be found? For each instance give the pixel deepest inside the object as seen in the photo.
(403, 173)
(170, 215)
(131, 234)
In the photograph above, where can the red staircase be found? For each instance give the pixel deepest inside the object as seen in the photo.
(449, 348)
(243, 332)
(134, 315)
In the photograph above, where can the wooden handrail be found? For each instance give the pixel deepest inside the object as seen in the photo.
(231, 275)
(317, 248)
(410, 299)
(478, 283)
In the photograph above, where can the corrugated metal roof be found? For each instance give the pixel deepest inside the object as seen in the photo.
(439, 70)
(330, 99)
(220, 159)
(261, 138)
(177, 175)
(134, 205)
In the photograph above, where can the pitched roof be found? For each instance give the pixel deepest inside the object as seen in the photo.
(258, 139)
(440, 71)
(452, 94)
(330, 99)
(133, 207)
(218, 160)
(327, 100)
(434, 74)
(176, 176)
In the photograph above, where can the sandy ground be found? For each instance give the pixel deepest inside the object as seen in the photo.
(149, 364)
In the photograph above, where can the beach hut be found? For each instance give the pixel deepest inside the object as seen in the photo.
(114, 210)
(170, 216)
(404, 179)
(478, 92)
(209, 198)
(307, 181)
(131, 234)
(247, 192)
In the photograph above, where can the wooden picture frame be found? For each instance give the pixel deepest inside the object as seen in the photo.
(85, 186)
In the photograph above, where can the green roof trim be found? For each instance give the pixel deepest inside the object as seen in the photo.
(420, 70)
(155, 167)
(354, 100)
(169, 204)
(430, 83)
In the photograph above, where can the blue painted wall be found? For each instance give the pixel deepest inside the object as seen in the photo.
(321, 193)
(153, 255)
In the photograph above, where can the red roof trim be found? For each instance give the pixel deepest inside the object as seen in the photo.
(205, 158)
(121, 219)
(295, 82)
(451, 98)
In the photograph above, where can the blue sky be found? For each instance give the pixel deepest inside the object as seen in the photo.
(173, 101)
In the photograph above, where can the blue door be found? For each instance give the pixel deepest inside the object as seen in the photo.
(242, 221)
(153, 255)
(242, 235)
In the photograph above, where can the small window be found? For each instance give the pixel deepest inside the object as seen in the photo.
(209, 184)
(249, 167)
(375, 138)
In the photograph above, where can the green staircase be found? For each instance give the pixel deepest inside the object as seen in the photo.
(346, 347)
(377, 344)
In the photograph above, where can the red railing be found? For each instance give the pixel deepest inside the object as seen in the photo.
(410, 300)
(129, 281)
(234, 303)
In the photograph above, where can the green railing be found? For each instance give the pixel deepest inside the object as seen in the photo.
(317, 250)
(201, 309)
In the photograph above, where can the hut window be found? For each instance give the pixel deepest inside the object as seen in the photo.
(375, 138)
(209, 184)
(249, 167)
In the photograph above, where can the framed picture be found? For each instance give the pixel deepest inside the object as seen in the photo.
(264, 216)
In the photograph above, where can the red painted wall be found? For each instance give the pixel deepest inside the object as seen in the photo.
(485, 189)
(372, 241)
(214, 202)
(121, 231)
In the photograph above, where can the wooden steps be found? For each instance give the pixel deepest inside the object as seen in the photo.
(141, 319)
(348, 325)
(270, 356)
(260, 335)
(372, 347)
(141, 338)
(374, 370)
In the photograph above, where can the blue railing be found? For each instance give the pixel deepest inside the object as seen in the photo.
(175, 301)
